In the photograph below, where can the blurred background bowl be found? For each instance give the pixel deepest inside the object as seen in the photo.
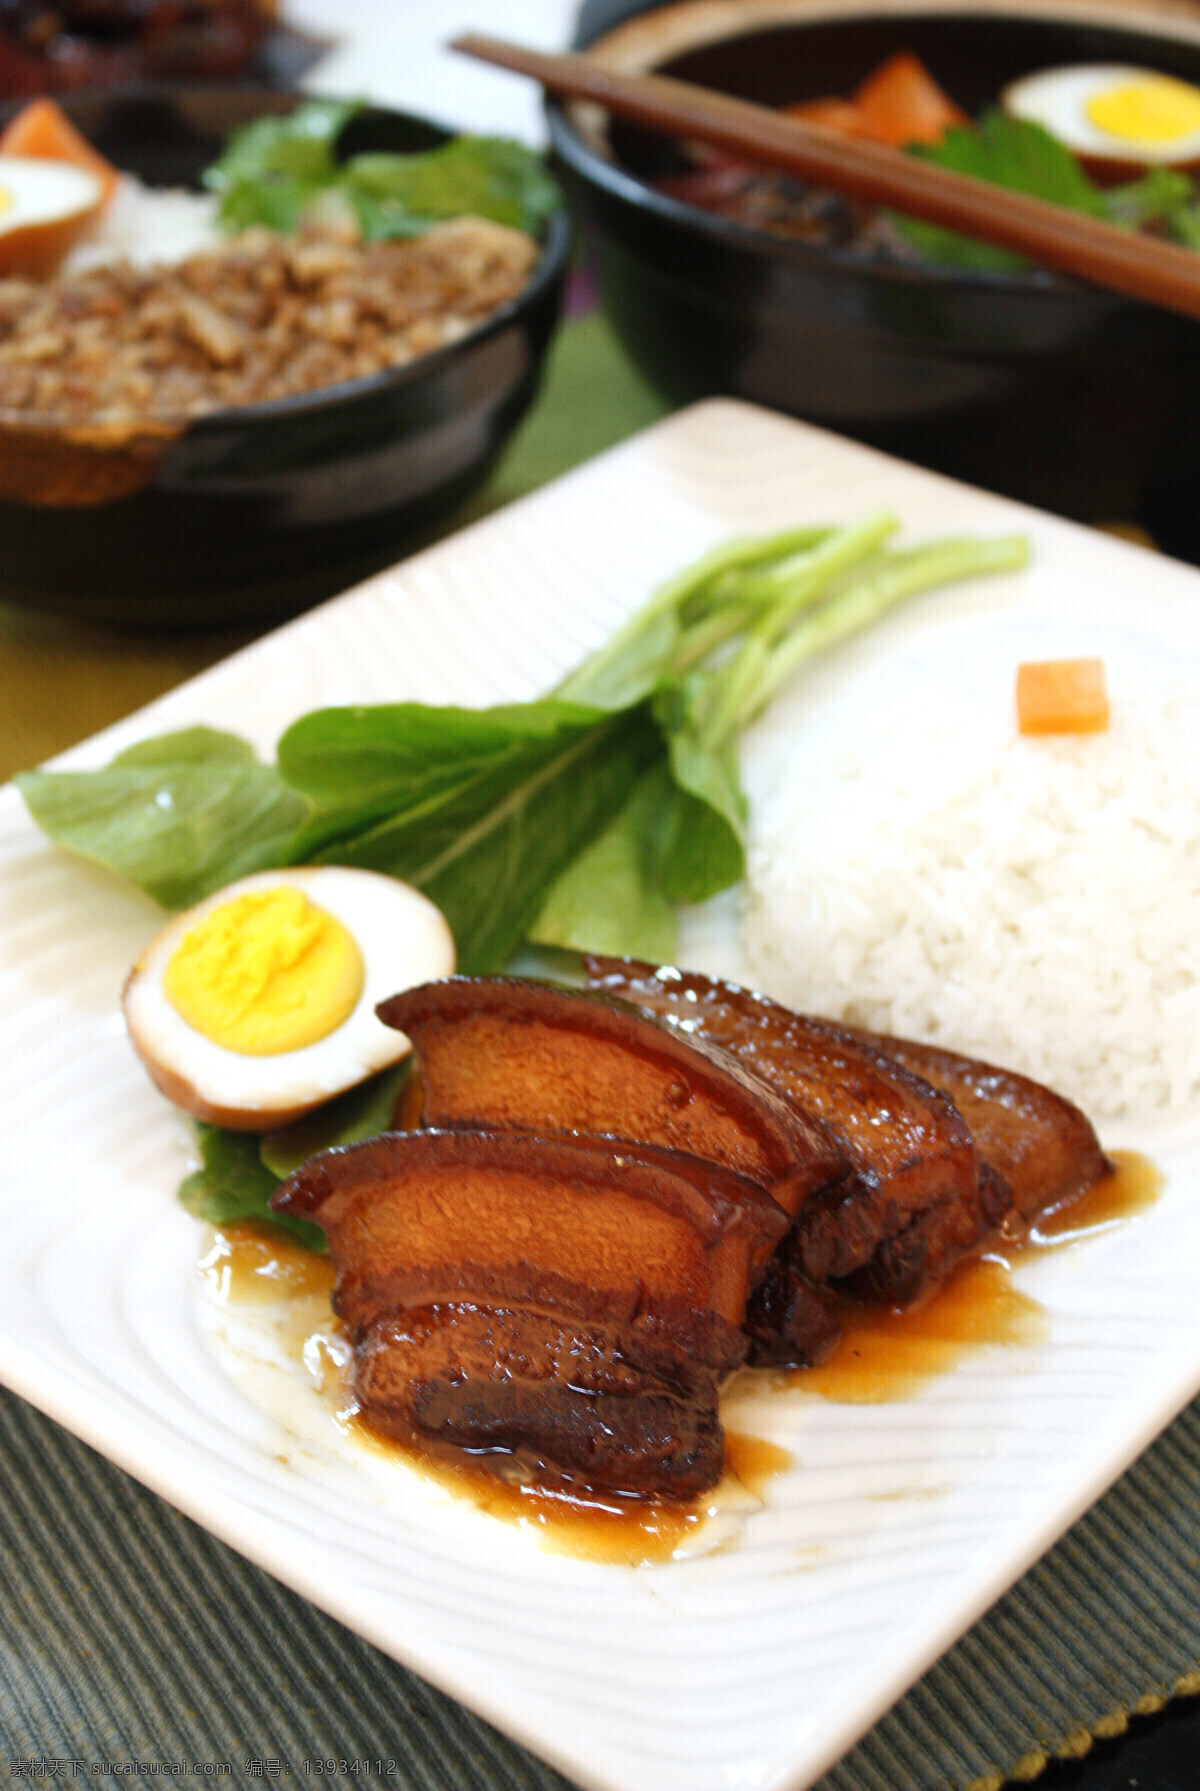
(115, 43)
(1028, 384)
(254, 513)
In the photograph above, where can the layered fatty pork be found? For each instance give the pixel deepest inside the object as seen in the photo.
(616, 1196)
(947, 1153)
(555, 1299)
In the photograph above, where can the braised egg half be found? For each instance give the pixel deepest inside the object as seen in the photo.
(257, 1005)
(44, 207)
(1111, 116)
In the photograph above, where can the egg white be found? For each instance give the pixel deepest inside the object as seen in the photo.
(44, 205)
(1056, 98)
(404, 940)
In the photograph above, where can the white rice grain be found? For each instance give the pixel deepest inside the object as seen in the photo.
(148, 227)
(1035, 902)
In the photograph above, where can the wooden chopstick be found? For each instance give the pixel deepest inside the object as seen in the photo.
(1141, 266)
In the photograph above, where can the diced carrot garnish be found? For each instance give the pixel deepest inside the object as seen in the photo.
(43, 131)
(1062, 696)
(902, 103)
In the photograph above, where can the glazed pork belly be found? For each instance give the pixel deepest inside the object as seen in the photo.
(614, 1197)
(556, 1301)
(507, 1053)
(947, 1153)
(910, 1150)
(1042, 1146)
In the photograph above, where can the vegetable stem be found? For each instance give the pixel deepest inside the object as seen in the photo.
(865, 598)
(644, 648)
(798, 582)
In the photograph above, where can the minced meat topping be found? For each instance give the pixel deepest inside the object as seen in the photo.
(259, 317)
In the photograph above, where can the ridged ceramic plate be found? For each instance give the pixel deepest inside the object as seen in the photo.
(753, 1667)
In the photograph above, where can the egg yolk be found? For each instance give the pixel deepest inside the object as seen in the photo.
(1154, 111)
(266, 972)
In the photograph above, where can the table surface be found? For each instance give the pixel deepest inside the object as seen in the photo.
(103, 1580)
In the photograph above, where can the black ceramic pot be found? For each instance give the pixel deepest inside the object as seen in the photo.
(1028, 384)
(255, 513)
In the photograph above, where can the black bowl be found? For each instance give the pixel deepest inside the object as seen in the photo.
(1029, 384)
(254, 513)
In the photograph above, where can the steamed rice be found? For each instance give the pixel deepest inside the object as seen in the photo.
(147, 227)
(1035, 902)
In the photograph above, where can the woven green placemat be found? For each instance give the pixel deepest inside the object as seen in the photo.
(129, 1635)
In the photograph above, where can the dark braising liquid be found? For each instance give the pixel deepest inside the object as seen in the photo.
(568, 1520)
(882, 1356)
(1135, 1187)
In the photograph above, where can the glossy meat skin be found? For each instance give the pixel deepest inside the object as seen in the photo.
(916, 1261)
(899, 1225)
(1042, 1146)
(910, 1149)
(503, 1052)
(552, 1298)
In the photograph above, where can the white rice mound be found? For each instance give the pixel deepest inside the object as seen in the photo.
(148, 227)
(924, 870)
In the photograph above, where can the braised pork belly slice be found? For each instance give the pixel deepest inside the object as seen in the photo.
(910, 1150)
(563, 1301)
(790, 1321)
(917, 1260)
(505, 1053)
(1040, 1144)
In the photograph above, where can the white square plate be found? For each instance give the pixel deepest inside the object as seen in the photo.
(753, 1668)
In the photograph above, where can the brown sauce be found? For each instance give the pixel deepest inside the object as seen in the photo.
(254, 1265)
(590, 1526)
(1135, 1186)
(753, 1461)
(882, 1356)
(568, 1520)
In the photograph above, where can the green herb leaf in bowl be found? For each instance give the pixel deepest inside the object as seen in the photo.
(278, 170)
(483, 177)
(1022, 156)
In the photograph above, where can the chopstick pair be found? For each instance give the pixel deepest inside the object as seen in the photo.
(1142, 267)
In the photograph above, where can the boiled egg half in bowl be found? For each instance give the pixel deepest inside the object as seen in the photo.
(1118, 120)
(258, 1004)
(44, 207)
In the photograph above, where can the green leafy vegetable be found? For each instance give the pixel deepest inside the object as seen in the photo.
(487, 177)
(631, 759)
(273, 167)
(1022, 156)
(361, 1112)
(637, 917)
(233, 1183)
(179, 815)
(240, 1171)
(510, 797)
(277, 170)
